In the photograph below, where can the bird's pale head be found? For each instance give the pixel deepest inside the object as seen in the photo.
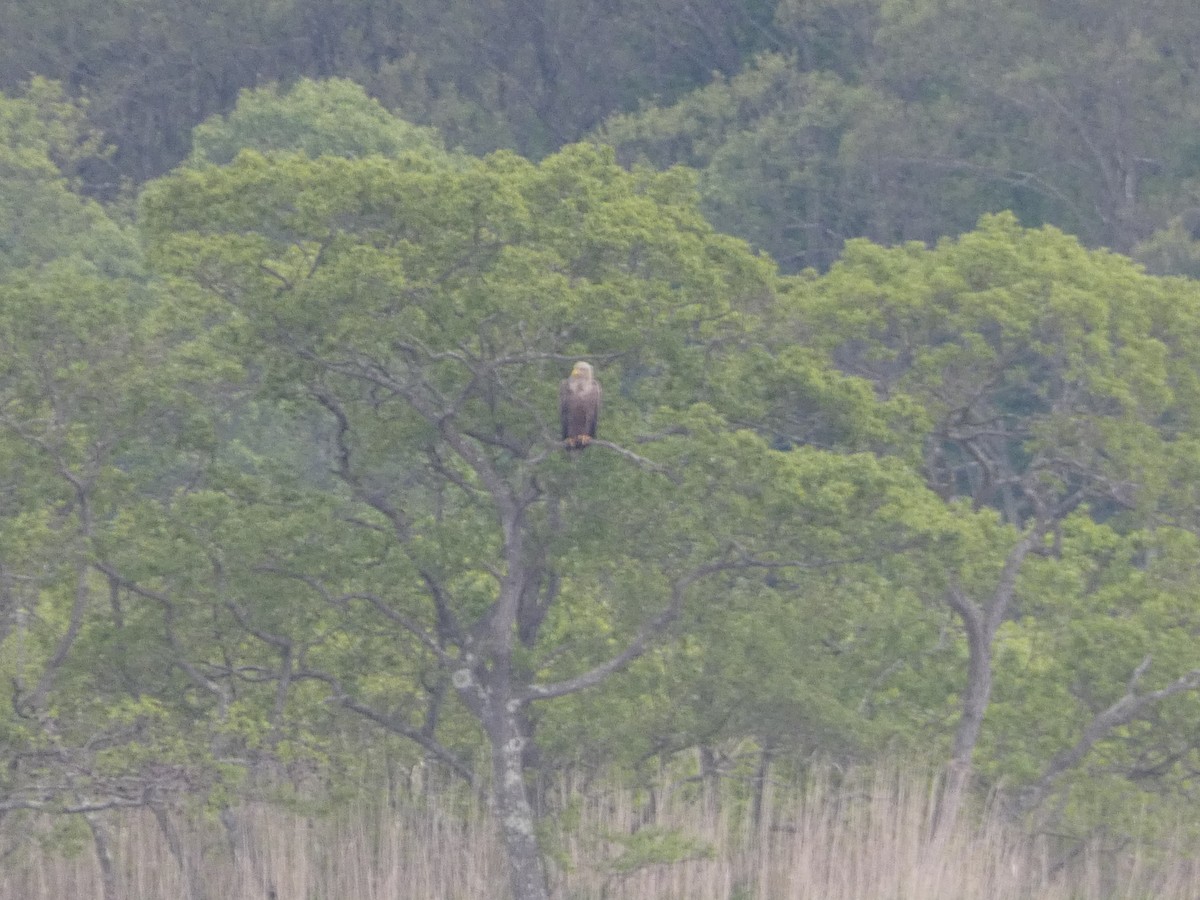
(582, 370)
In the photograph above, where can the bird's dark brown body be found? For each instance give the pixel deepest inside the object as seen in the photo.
(579, 399)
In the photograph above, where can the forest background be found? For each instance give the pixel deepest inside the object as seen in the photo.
(893, 307)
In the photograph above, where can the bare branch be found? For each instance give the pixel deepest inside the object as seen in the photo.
(340, 696)
(636, 648)
(37, 698)
(180, 658)
(644, 463)
(83, 806)
(404, 622)
(1130, 705)
(447, 621)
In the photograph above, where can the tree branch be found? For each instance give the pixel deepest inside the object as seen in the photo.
(644, 463)
(180, 659)
(340, 696)
(399, 521)
(1122, 712)
(37, 698)
(636, 648)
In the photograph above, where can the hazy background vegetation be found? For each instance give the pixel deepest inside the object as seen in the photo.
(893, 310)
(811, 121)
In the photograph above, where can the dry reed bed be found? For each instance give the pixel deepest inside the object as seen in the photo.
(865, 837)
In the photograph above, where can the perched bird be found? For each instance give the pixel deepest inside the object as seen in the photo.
(579, 406)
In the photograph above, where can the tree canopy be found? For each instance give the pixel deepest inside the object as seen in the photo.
(281, 484)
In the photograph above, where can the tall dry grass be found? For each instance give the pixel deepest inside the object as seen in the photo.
(857, 837)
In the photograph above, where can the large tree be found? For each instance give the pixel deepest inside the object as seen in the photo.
(419, 318)
(1053, 384)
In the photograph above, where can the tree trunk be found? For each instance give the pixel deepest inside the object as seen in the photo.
(193, 884)
(710, 777)
(976, 697)
(980, 627)
(976, 694)
(527, 875)
(981, 622)
(759, 801)
(104, 859)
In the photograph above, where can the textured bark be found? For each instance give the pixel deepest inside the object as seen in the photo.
(527, 875)
(978, 690)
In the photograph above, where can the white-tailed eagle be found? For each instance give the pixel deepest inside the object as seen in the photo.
(579, 406)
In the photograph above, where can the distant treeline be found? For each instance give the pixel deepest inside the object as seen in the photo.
(811, 122)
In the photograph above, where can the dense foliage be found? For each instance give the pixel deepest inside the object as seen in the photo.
(280, 487)
(812, 122)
